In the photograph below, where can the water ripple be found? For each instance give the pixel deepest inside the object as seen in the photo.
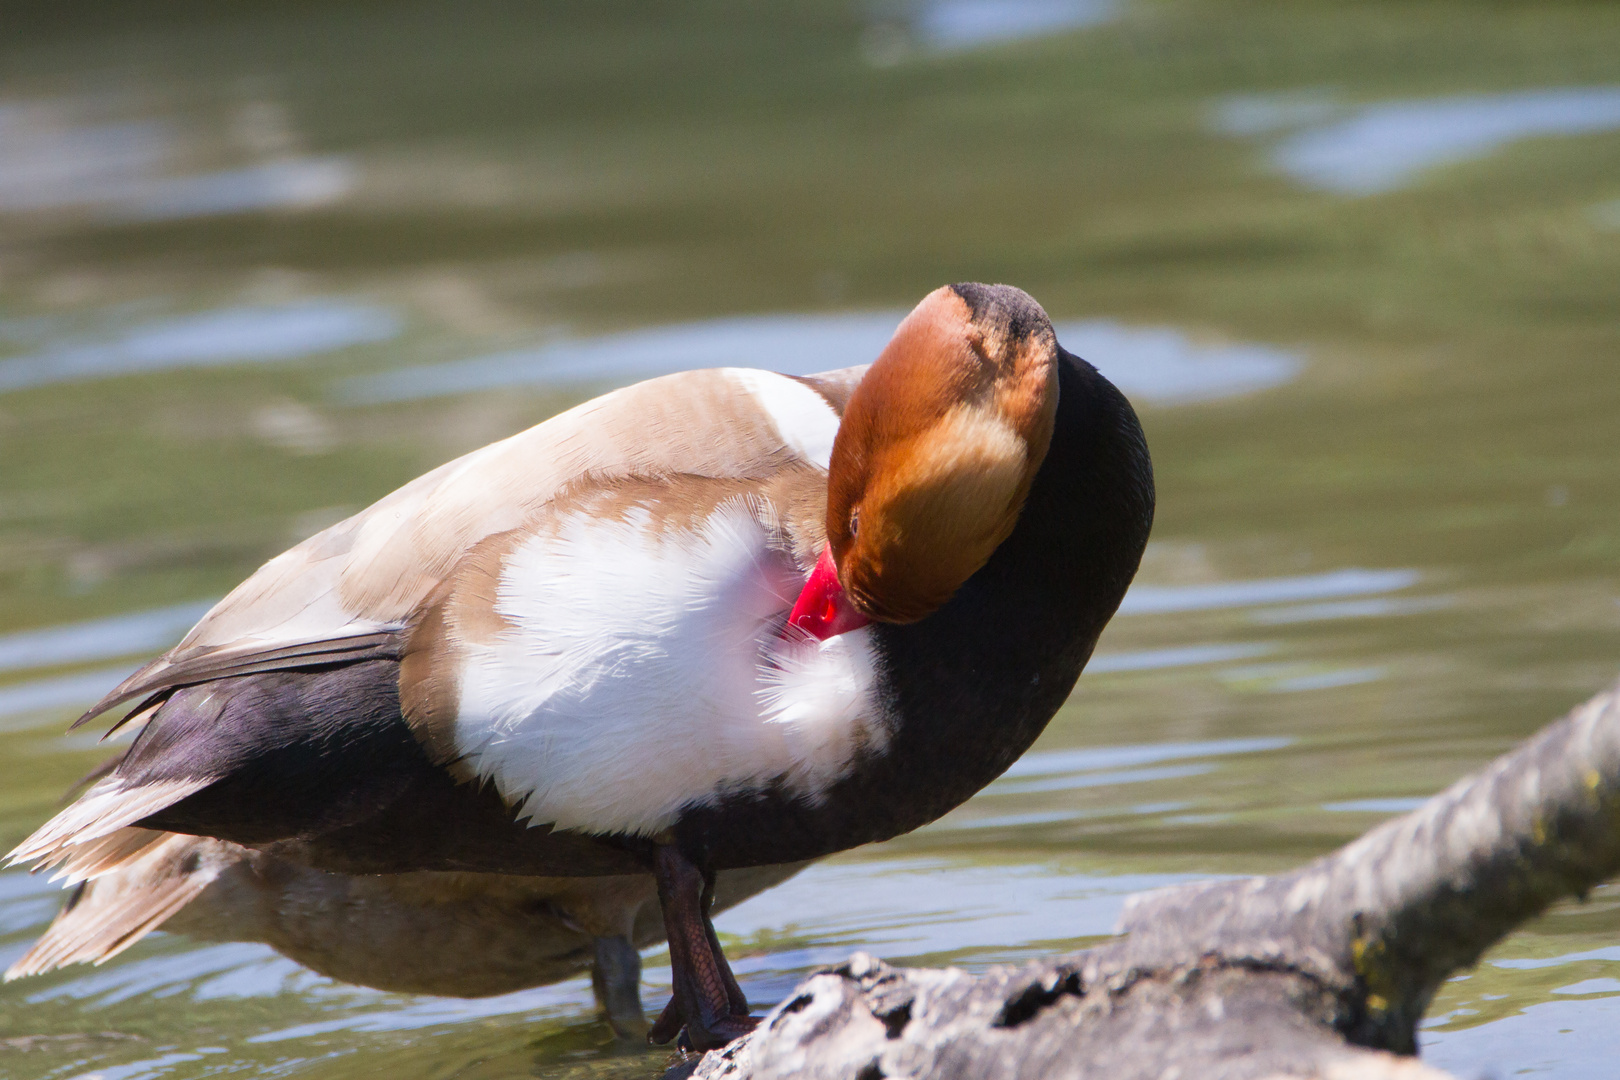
(98, 639)
(949, 25)
(1157, 365)
(1383, 147)
(64, 691)
(1162, 599)
(211, 339)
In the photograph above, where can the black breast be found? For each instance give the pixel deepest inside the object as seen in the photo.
(972, 686)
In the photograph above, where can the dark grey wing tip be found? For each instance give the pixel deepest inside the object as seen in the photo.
(170, 672)
(138, 683)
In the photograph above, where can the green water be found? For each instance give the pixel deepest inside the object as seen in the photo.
(384, 187)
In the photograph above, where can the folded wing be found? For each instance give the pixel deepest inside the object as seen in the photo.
(356, 592)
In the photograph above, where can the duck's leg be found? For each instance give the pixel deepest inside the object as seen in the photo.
(707, 1002)
(616, 978)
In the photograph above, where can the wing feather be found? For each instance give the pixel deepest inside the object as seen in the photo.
(354, 591)
(357, 590)
(351, 591)
(177, 669)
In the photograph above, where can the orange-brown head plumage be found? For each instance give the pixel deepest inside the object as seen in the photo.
(938, 446)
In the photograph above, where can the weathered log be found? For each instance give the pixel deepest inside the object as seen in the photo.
(1322, 972)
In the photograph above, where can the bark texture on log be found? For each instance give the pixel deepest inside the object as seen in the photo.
(1322, 972)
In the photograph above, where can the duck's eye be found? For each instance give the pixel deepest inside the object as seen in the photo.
(854, 523)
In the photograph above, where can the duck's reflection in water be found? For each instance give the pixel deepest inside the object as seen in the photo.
(450, 934)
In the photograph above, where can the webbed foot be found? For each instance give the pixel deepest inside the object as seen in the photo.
(707, 1005)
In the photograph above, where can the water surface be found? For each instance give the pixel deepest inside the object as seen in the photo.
(259, 265)
(1158, 365)
(235, 335)
(1382, 147)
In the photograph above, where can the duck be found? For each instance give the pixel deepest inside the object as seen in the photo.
(715, 620)
(448, 934)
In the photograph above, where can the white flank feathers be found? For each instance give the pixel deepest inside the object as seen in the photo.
(643, 673)
(815, 690)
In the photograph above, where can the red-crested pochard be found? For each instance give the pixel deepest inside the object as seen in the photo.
(715, 620)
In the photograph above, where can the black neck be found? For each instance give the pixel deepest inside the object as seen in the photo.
(973, 685)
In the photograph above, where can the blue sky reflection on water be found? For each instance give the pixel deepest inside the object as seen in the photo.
(949, 25)
(1371, 149)
(1177, 656)
(1156, 365)
(1167, 599)
(90, 155)
(1573, 1038)
(1063, 770)
(1043, 763)
(41, 696)
(100, 639)
(1374, 806)
(900, 908)
(235, 335)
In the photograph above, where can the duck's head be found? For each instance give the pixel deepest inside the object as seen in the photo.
(936, 451)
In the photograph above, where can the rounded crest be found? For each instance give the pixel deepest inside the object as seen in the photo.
(938, 446)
